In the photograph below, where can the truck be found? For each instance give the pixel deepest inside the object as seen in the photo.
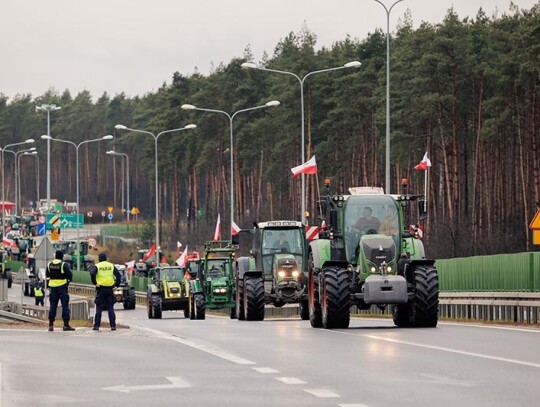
(218, 276)
(275, 272)
(171, 289)
(357, 263)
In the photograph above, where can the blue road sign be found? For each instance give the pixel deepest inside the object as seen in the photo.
(110, 216)
(42, 229)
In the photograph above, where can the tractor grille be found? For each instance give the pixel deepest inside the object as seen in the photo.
(379, 249)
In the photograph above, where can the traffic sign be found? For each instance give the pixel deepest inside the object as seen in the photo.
(41, 229)
(110, 209)
(44, 253)
(65, 221)
(89, 214)
(535, 223)
(110, 216)
(92, 242)
(103, 214)
(55, 234)
(536, 236)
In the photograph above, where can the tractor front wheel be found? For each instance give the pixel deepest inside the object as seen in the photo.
(200, 306)
(254, 298)
(240, 312)
(336, 298)
(315, 314)
(156, 306)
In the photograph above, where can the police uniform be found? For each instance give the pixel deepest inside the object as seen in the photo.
(59, 275)
(39, 295)
(105, 277)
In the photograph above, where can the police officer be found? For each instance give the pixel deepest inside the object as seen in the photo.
(39, 295)
(105, 277)
(59, 275)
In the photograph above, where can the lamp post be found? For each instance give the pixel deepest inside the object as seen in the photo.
(48, 109)
(352, 64)
(28, 141)
(49, 138)
(18, 156)
(125, 176)
(231, 117)
(387, 165)
(156, 137)
(36, 156)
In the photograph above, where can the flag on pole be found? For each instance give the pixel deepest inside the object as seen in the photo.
(130, 265)
(8, 243)
(150, 253)
(217, 232)
(178, 245)
(309, 167)
(424, 164)
(235, 229)
(181, 261)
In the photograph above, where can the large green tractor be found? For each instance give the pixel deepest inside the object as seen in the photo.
(366, 257)
(171, 290)
(274, 273)
(218, 276)
(69, 247)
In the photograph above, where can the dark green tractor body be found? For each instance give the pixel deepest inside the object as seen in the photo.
(355, 265)
(218, 276)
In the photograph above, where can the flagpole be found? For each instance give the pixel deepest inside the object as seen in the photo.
(425, 189)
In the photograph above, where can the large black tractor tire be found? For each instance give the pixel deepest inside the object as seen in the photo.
(422, 311)
(200, 306)
(130, 299)
(240, 312)
(335, 301)
(9, 279)
(254, 298)
(156, 306)
(303, 309)
(315, 313)
(149, 306)
(233, 313)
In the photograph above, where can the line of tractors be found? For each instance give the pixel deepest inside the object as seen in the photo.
(356, 261)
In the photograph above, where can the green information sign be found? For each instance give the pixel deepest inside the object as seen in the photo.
(66, 221)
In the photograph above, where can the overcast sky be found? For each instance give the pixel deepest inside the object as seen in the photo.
(134, 46)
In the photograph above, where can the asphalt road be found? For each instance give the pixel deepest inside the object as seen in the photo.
(218, 361)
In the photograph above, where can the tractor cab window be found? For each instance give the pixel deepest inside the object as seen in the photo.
(172, 274)
(281, 241)
(369, 214)
(216, 269)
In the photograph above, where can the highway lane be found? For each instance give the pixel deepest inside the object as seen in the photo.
(274, 362)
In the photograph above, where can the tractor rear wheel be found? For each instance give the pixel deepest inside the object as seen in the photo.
(129, 300)
(233, 313)
(240, 300)
(254, 298)
(335, 303)
(304, 309)
(200, 306)
(156, 306)
(149, 307)
(315, 314)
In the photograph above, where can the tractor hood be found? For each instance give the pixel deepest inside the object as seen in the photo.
(378, 249)
(219, 282)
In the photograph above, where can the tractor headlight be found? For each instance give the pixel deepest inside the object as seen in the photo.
(296, 274)
(220, 290)
(281, 273)
(389, 269)
(373, 269)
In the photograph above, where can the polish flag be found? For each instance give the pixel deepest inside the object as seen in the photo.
(181, 261)
(149, 253)
(424, 164)
(8, 243)
(130, 265)
(235, 229)
(178, 245)
(217, 232)
(309, 167)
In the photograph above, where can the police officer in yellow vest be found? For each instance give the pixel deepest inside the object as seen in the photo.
(59, 275)
(39, 295)
(105, 277)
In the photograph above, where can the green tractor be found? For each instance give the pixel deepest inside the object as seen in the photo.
(125, 293)
(171, 289)
(275, 271)
(218, 276)
(69, 247)
(360, 261)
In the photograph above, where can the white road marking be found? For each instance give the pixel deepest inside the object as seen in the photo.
(290, 380)
(212, 351)
(265, 370)
(322, 393)
(176, 383)
(460, 352)
(503, 328)
(352, 405)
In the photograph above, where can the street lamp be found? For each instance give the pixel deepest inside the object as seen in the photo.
(388, 10)
(125, 177)
(188, 127)
(28, 141)
(36, 156)
(18, 155)
(352, 64)
(231, 117)
(48, 109)
(49, 138)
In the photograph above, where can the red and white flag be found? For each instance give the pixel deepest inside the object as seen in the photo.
(149, 253)
(217, 232)
(424, 164)
(309, 167)
(181, 261)
(8, 243)
(130, 265)
(235, 229)
(178, 245)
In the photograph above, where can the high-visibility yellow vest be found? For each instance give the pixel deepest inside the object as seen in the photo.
(105, 274)
(38, 292)
(56, 273)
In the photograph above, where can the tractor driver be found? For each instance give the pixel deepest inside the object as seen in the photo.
(282, 244)
(367, 222)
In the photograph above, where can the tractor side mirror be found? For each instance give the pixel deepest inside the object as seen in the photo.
(422, 209)
(334, 219)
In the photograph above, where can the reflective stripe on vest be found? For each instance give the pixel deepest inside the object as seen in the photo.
(105, 274)
(56, 272)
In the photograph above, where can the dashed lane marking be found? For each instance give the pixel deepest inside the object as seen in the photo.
(265, 370)
(322, 393)
(290, 380)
